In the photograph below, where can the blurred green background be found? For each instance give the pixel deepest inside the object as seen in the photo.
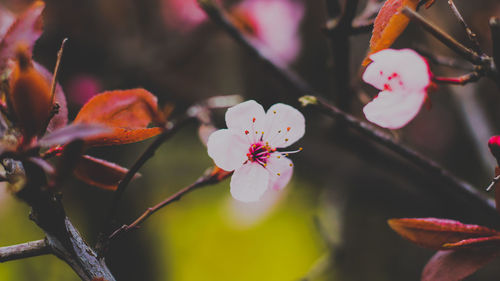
(328, 224)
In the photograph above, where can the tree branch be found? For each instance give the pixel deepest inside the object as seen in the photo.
(211, 176)
(495, 37)
(25, 250)
(472, 36)
(61, 236)
(298, 87)
(444, 37)
(340, 49)
(170, 129)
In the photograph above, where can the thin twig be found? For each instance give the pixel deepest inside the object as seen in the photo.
(210, 177)
(442, 60)
(444, 37)
(170, 129)
(24, 250)
(56, 69)
(455, 186)
(461, 80)
(472, 36)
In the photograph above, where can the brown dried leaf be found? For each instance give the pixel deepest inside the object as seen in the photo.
(389, 24)
(433, 233)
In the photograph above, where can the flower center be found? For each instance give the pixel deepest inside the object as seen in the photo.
(260, 152)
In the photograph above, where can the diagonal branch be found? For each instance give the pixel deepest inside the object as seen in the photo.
(444, 37)
(211, 176)
(24, 250)
(451, 184)
(472, 36)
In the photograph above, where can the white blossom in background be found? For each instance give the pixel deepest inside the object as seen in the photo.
(403, 77)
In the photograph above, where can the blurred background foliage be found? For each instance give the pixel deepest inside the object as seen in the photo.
(329, 224)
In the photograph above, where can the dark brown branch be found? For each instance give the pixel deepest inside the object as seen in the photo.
(495, 36)
(290, 79)
(25, 250)
(451, 184)
(442, 60)
(341, 50)
(210, 177)
(444, 37)
(470, 34)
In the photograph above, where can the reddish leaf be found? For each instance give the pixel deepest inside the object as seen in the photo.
(456, 265)
(389, 25)
(26, 29)
(72, 132)
(491, 241)
(61, 118)
(128, 112)
(434, 233)
(100, 173)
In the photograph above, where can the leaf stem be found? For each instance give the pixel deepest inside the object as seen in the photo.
(461, 80)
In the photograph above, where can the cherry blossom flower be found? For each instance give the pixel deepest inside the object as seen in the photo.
(249, 147)
(182, 15)
(272, 25)
(403, 77)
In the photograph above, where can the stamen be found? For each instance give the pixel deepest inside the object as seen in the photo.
(291, 152)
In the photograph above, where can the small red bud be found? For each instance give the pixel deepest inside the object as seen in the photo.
(30, 95)
(494, 145)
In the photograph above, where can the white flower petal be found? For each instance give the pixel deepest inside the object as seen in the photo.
(280, 171)
(240, 118)
(227, 149)
(249, 182)
(411, 71)
(393, 110)
(283, 126)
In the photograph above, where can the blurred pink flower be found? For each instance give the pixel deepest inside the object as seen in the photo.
(182, 15)
(272, 25)
(6, 20)
(403, 77)
(249, 147)
(83, 87)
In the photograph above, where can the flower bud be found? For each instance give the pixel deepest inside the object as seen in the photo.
(494, 145)
(30, 96)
